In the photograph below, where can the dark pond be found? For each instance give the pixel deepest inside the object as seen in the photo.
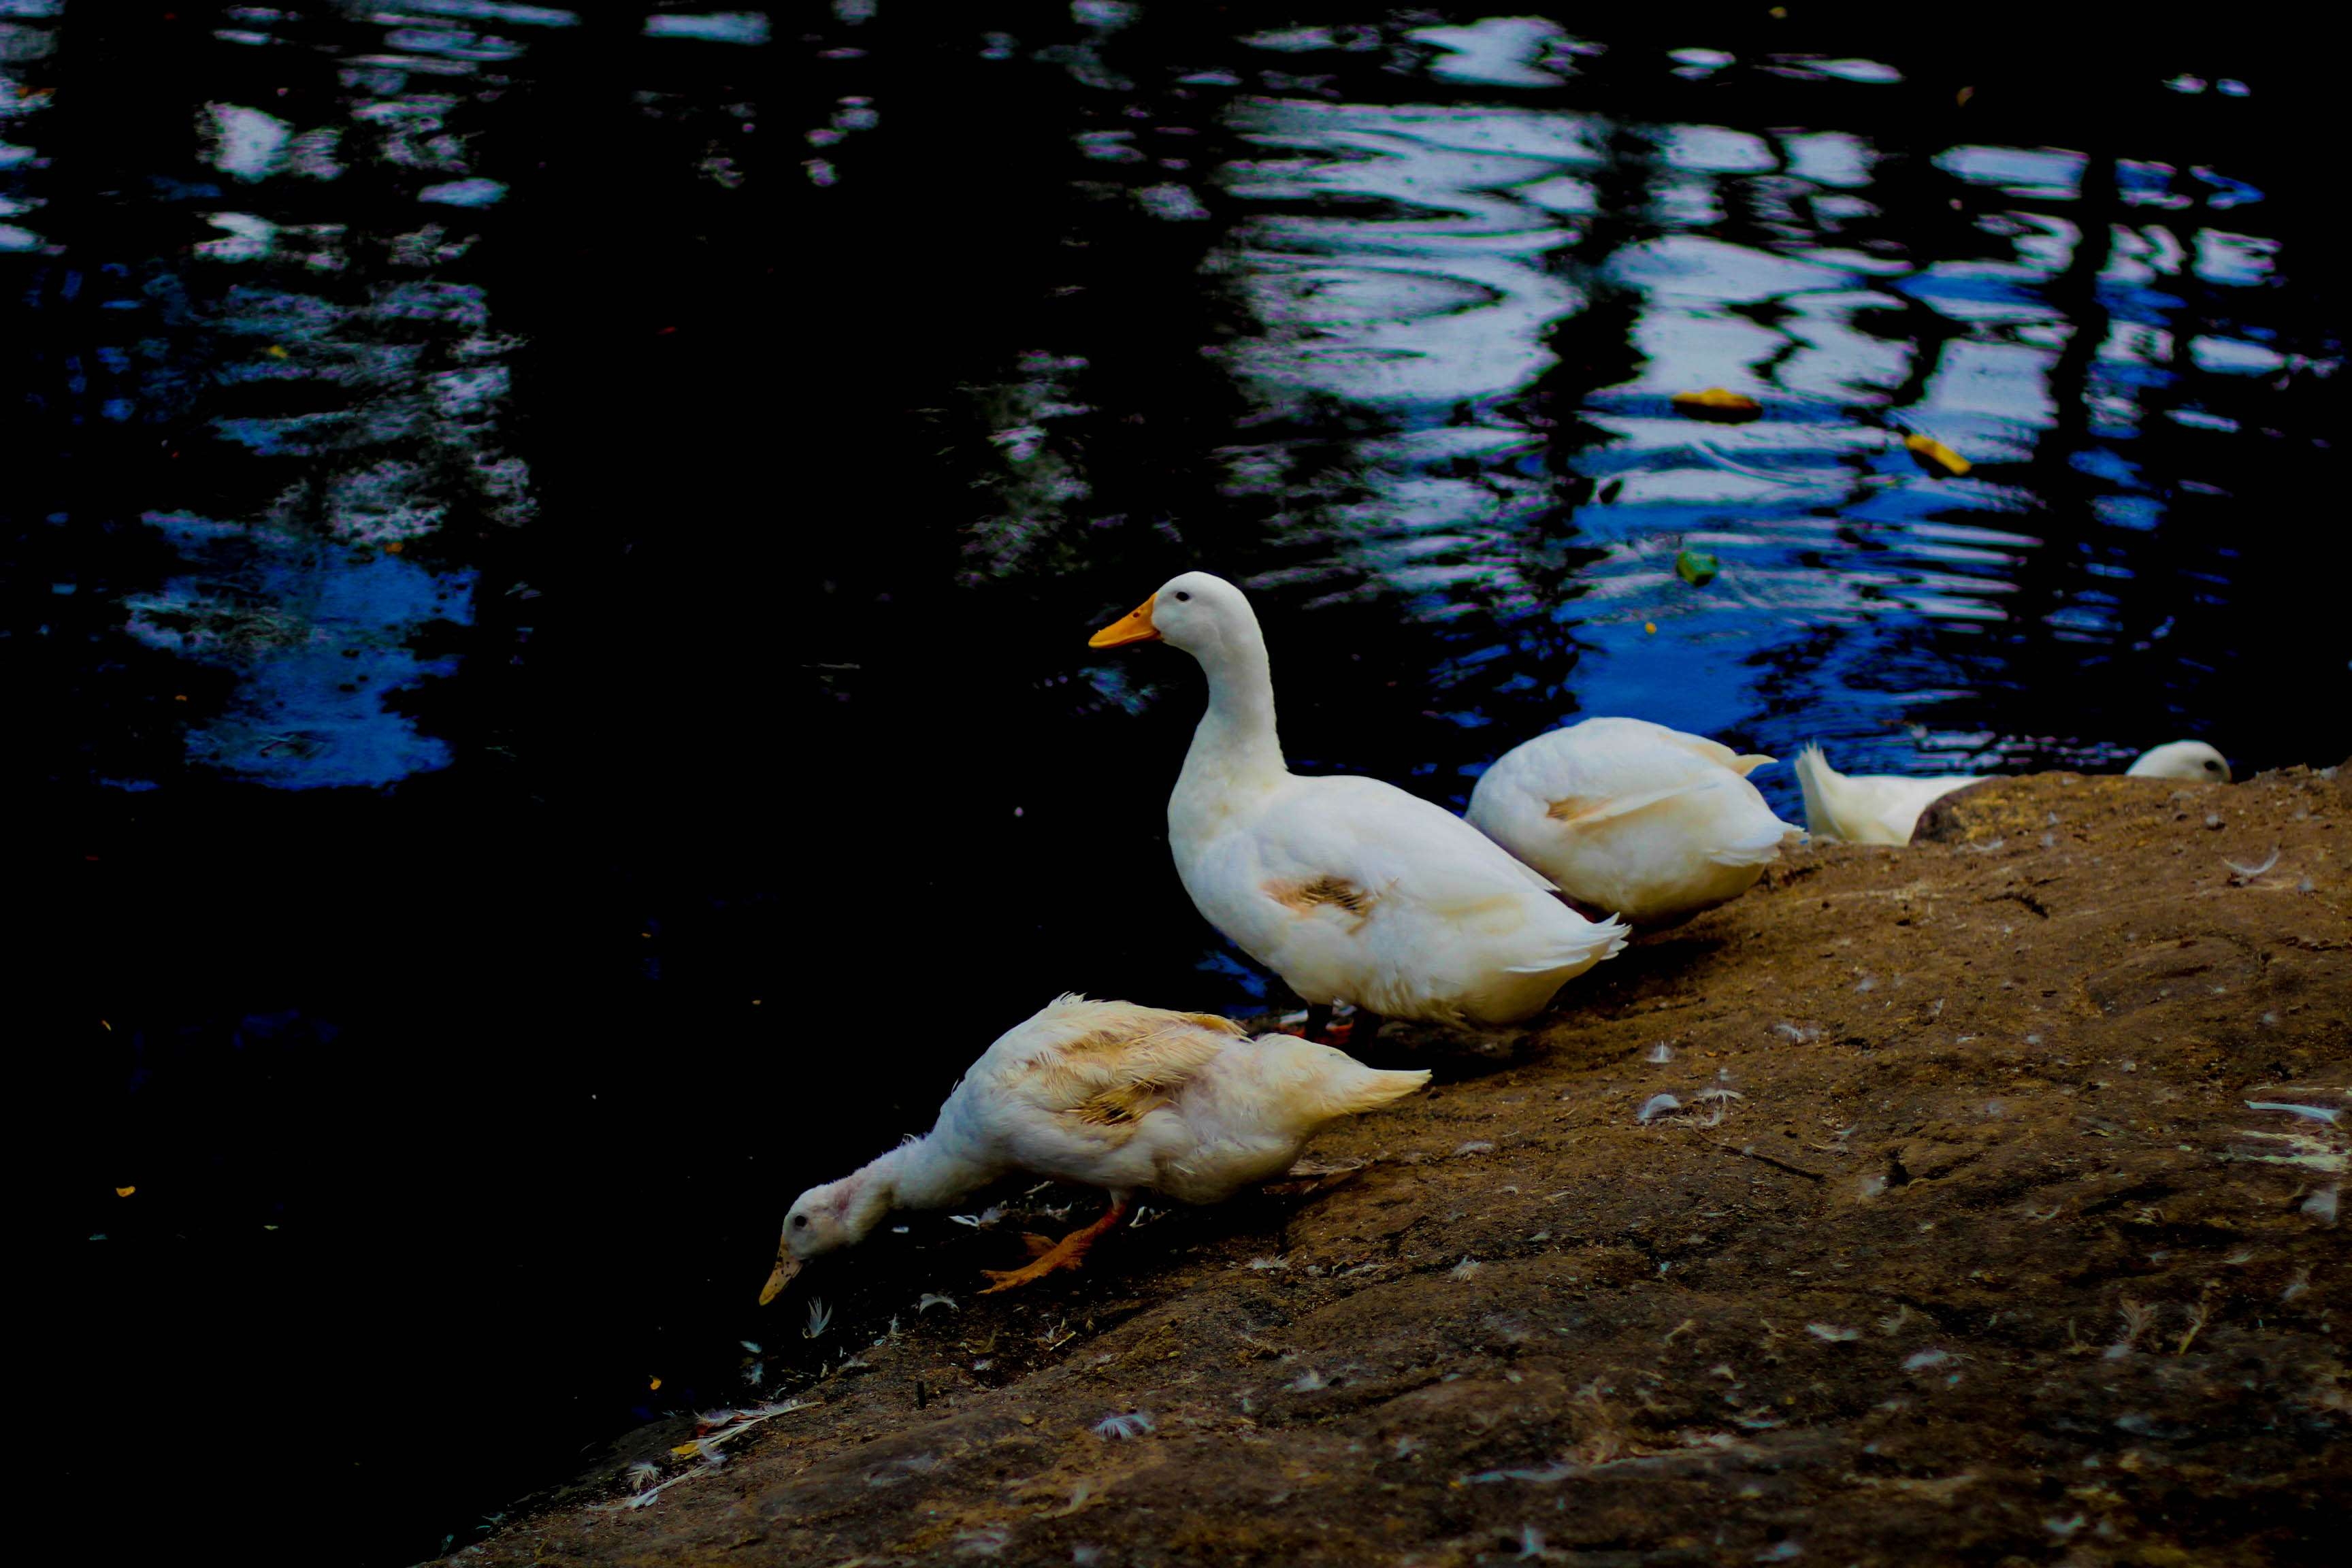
(549, 555)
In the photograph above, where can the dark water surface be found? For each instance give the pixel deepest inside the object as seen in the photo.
(549, 553)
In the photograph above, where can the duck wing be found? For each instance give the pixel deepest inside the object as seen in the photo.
(1108, 1065)
(1358, 841)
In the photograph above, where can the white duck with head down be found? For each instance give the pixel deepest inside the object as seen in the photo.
(1883, 809)
(1113, 1096)
(1351, 890)
(2193, 761)
(1632, 817)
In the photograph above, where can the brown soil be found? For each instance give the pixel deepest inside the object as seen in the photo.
(1987, 1259)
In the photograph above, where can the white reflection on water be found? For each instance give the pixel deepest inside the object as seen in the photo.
(1408, 272)
(396, 398)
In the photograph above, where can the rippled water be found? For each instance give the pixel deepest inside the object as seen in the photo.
(551, 550)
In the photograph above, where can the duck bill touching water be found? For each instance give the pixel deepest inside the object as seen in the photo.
(1883, 809)
(1351, 890)
(1109, 1095)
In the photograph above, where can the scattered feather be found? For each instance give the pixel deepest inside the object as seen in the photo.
(1660, 1053)
(1307, 1381)
(1920, 1361)
(929, 1301)
(1657, 1105)
(751, 1345)
(1464, 1269)
(641, 1474)
(2298, 1285)
(1085, 1492)
(820, 1318)
(1831, 1333)
(983, 1220)
(2241, 875)
(1134, 1424)
(1262, 1263)
(2136, 1317)
(2316, 1112)
(2321, 1205)
(1476, 1146)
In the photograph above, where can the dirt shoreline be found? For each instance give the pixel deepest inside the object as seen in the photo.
(1978, 1254)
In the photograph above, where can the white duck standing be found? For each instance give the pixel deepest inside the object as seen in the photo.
(1632, 817)
(1113, 1096)
(1350, 888)
(1883, 809)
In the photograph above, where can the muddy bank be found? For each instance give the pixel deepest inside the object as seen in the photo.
(1965, 1244)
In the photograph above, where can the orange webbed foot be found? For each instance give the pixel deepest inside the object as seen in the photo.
(1054, 1258)
(1051, 1257)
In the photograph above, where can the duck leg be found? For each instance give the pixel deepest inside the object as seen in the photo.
(1066, 1253)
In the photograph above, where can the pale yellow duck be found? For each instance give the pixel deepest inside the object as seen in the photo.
(1110, 1095)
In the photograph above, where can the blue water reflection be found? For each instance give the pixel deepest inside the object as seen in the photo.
(1407, 271)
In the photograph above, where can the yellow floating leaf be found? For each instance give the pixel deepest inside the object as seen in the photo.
(1935, 457)
(654, 1384)
(276, 352)
(124, 1192)
(687, 1448)
(1715, 403)
(1650, 626)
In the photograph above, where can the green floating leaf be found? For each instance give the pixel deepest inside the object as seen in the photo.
(1696, 567)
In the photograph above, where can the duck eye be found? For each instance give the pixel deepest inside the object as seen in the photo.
(2212, 767)
(799, 1222)
(1183, 598)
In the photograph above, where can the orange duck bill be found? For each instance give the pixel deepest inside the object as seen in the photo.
(1134, 627)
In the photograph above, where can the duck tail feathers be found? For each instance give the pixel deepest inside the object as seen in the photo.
(1761, 847)
(1578, 951)
(1815, 778)
(1367, 1089)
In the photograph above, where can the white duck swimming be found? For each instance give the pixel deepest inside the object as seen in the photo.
(1882, 808)
(1108, 1094)
(1350, 888)
(1630, 817)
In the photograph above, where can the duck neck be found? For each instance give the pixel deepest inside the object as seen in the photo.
(919, 1175)
(1235, 745)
